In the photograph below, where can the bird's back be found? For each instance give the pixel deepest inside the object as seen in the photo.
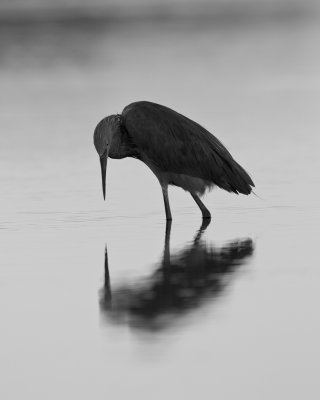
(178, 145)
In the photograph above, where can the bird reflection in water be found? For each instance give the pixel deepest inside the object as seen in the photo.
(180, 284)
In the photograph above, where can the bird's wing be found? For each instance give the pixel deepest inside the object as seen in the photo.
(175, 143)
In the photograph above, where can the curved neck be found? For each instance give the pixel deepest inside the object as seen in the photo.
(121, 144)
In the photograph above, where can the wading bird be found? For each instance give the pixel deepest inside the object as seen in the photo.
(178, 151)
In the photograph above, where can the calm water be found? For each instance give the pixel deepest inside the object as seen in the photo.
(102, 299)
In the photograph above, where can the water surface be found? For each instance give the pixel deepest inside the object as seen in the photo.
(140, 319)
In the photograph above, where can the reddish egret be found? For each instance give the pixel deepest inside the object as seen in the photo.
(178, 151)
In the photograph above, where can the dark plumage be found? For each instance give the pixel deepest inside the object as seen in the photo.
(178, 150)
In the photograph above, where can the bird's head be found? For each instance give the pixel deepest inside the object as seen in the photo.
(102, 139)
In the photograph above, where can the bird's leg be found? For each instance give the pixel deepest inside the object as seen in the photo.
(203, 208)
(166, 202)
(166, 252)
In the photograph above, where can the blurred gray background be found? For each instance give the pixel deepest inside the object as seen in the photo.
(246, 70)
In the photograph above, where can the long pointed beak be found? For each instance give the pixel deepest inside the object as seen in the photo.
(103, 163)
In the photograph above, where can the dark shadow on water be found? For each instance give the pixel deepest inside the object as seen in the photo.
(180, 284)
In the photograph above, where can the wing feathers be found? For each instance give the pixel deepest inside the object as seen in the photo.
(177, 144)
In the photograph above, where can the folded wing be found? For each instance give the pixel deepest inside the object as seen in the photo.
(179, 145)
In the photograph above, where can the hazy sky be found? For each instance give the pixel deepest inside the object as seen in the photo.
(35, 9)
(22, 4)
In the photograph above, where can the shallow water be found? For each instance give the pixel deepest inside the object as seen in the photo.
(102, 299)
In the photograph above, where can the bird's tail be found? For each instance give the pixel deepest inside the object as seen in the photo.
(235, 178)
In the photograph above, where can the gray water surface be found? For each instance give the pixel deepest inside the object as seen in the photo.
(227, 311)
